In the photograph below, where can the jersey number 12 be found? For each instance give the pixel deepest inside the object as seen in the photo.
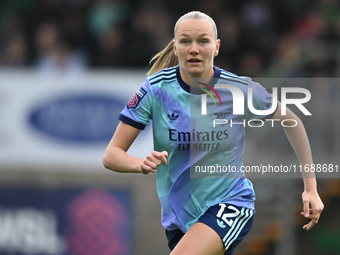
(224, 216)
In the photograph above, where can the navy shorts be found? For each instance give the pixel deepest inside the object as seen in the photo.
(230, 222)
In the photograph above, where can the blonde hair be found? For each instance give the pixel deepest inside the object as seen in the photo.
(167, 58)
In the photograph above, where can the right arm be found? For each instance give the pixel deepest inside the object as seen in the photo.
(117, 159)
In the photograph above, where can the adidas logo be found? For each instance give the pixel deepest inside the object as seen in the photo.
(220, 223)
(172, 116)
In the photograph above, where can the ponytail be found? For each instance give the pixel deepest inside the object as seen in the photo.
(164, 59)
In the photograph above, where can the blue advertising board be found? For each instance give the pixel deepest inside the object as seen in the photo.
(65, 221)
(79, 118)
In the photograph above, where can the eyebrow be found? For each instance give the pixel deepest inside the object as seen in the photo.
(201, 35)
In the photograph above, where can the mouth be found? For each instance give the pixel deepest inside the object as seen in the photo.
(194, 60)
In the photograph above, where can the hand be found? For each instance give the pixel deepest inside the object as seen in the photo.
(153, 160)
(313, 200)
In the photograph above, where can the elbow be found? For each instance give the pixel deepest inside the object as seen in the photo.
(106, 162)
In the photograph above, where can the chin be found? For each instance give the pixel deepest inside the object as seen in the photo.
(195, 74)
(195, 70)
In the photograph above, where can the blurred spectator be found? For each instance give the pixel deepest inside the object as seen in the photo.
(14, 51)
(213, 8)
(229, 34)
(10, 8)
(76, 30)
(13, 26)
(311, 26)
(260, 38)
(257, 15)
(110, 52)
(251, 63)
(150, 33)
(105, 14)
(331, 9)
(55, 57)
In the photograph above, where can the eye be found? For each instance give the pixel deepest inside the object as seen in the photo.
(204, 41)
(184, 41)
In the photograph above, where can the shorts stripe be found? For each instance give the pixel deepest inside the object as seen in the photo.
(237, 227)
(234, 225)
(241, 228)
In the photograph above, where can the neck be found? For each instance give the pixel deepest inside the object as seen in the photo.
(206, 76)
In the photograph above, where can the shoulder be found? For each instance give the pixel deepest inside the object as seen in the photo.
(165, 75)
(234, 79)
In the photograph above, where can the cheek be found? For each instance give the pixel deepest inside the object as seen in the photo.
(210, 53)
(214, 52)
(180, 53)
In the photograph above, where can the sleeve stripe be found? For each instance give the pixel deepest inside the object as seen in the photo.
(131, 122)
(228, 74)
(165, 72)
(163, 78)
(234, 79)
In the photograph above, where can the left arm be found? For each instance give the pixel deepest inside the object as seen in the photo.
(297, 136)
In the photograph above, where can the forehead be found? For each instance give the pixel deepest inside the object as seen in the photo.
(195, 27)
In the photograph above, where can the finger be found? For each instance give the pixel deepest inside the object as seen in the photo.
(309, 225)
(163, 158)
(153, 160)
(314, 220)
(306, 209)
(160, 157)
(318, 209)
(147, 169)
(165, 153)
(315, 217)
(305, 226)
(310, 215)
(144, 171)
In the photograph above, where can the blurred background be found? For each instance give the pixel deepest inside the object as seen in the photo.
(68, 67)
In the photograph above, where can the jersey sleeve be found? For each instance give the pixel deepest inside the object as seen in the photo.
(138, 110)
(262, 100)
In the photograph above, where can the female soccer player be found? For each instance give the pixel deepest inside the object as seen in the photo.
(200, 215)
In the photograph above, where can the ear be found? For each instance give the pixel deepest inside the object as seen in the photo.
(217, 49)
(174, 46)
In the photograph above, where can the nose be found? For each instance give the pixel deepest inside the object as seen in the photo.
(194, 48)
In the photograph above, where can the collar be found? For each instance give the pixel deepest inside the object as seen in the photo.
(187, 88)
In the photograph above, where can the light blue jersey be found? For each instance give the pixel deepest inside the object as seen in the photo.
(193, 142)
